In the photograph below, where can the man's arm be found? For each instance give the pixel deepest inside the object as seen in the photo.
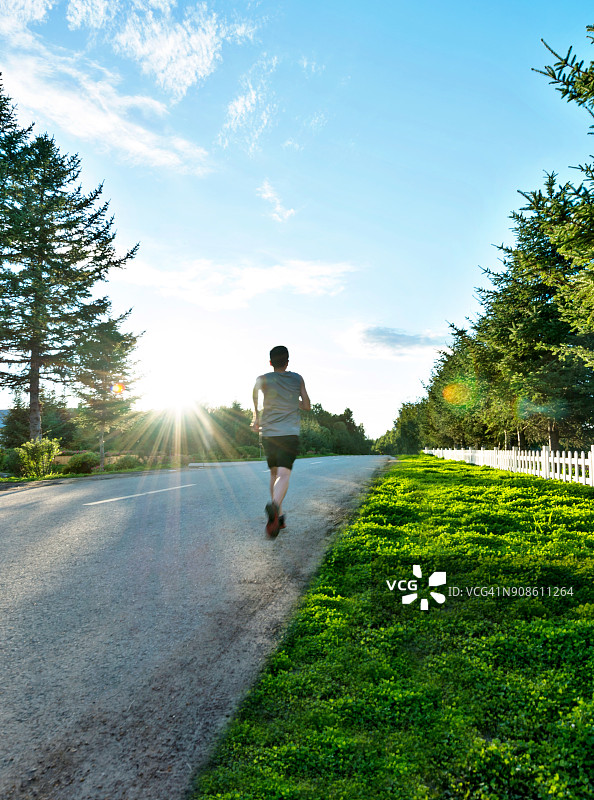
(255, 426)
(304, 403)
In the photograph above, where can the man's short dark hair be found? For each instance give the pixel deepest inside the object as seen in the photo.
(279, 356)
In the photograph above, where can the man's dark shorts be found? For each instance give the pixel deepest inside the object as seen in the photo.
(281, 451)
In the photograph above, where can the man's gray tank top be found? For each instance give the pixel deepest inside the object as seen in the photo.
(280, 416)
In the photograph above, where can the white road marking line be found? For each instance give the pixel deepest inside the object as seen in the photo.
(140, 494)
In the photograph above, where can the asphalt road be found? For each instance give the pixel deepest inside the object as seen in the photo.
(136, 611)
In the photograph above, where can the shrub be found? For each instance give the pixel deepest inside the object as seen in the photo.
(126, 462)
(35, 457)
(82, 463)
(9, 461)
(248, 451)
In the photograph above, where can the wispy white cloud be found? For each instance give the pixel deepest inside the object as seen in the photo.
(311, 67)
(308, 127)
(160, 5)
(55, 90)
(377, 341)
(177, 47)
(177, 50)
(241, 107)
(399, 340)
(177, 54)
(318, 121)
(292, 145)
(251, 112)
(279, 212)
(17, 14)
(222, 286)
(91, 13)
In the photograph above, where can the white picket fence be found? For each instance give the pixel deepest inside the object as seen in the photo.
(561, 466)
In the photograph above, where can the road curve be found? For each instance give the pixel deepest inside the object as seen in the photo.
(136, 611)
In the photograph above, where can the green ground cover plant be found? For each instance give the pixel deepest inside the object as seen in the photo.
(482, 697)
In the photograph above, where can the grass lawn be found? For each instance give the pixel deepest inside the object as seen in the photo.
(484, 696)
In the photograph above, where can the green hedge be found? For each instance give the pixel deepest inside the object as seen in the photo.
(124, 462)
(82, 463)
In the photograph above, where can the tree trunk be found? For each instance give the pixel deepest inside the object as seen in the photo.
(505, 441)
(102, 449)
(34, 403)
(553, 436)
(521, 439)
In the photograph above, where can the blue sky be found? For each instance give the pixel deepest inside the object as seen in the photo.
(324, 175)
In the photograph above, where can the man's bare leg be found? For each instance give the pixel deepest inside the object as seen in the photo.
(273, 477)
(280, 486)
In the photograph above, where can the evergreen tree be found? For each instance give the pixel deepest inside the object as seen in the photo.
(408, 428)
(456, 396)
(565, 215)
(15, 429)
(568, 218)
(536, 372)
(312, 436)
(57, 244)
(12, 139)
(345, 435)
(408, 434)
(56, 422)
(525, 367)
(387, 444)
(102, 365)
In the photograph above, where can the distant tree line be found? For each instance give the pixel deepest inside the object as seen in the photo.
(199, 433)
(521, 374)
(323, 432)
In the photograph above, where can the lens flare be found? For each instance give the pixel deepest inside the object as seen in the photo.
(457, 394)
(117, 388)
(526, 409)
(556, 408)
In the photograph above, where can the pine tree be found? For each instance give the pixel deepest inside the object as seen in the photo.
(57, 244)
(12, 140)
(568, 217)
(15, 427)
(456, 394)
(57, 421)
(407, 427)
(103, 364)
(536, 373)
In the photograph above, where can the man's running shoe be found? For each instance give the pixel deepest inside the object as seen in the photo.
(281, 522)
(273, 524)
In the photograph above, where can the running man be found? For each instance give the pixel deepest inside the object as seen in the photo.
(284, 394)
